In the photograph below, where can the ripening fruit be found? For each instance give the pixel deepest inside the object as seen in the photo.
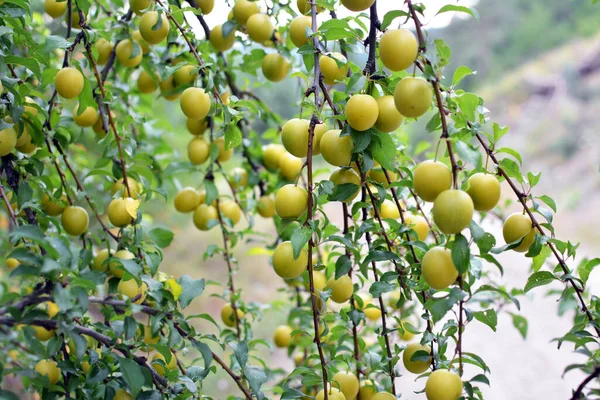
(196, 127)
(272, 155)
(51, 308)
(228, 317)
(275, 67)
(129, 53)
(416, 367)
(206, 6)
(389, 118)
(187, 200)
(195, 103)
(289, 166)
(383, 396)
(357, 5)
(146, 83)
(291, 201)
(87, 118)
(418, 224)
(452, 211)
(12, 263)
(43, 334)
(284, 263)
(431, 178)
(377, 174)
(160, 369)
(239, 178)
(104, 48)
(398, 49)
(25, 142)
(259, 27)
(152, 30)
(336, 149)
(484, 190)
(75, 19)
(52, 206)
(137, 36)
(75, 220)
(346, 175)
(121, 394)
(243, 10)
(405, 334)
(294, 136)
(266, 206)
(320, 130)
(49, 369)
(116, 269)
(367, 390)
(519, 226)
(122, 211)
(347, 383)
(185, 75)
(198, 151)
(134, 187)
(230, 209)
(443, 385)
(413, 96)
(205, 217)
(332, 394)
(221, 43)
(8, 140)
(224, 155)
(167, 89)
(298, 30)
(54, 8)
(138, 6)
(282, 336)
(332, 72)
(132, 290)
(361, 112)
(438, 269)
(389, 209)
(319, 280)
(98, 263)
(341, 289)
(148, 338)
(69, 82)
(305, 7)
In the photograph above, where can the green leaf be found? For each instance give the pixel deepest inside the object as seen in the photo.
(161, 236)
(468, 154)
(461, 253)
(28, 62)
(549, 201)
(460, 73)
(487, 317)
(540, 259)
(233, 136)
(255, 376)
(520, 323)
(540, 278)
(468, 104)
(379, 288)
(343, 192)
(499, 131)
(360, 139)
(132, 374)
(511, 152)
(343, 265)
(190, 289)
(585, 270)
(380, 255)
(207, 355)
(211, 191)
(440, 306)
(383, 149)
(450, 7)
(54, 42)
(300, 238)
(390, 16)
(240, 350)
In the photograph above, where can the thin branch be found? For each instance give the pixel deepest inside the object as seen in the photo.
(8, 206)
(577, 395)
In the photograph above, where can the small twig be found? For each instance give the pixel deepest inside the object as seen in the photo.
(579, 392)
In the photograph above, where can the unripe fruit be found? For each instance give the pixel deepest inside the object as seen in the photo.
(8, 140)
(361, 112)
(357, 5)
(272, 155)
(259, 27)
(51, 206)
(289, 166)
(167, 89)
(230, 209)
(383, 396)
(346, 175)
(291, 201)
(418, 224)
(122, 211)
(333, 73)
(294, 136)
(452, 211)
(205, 217)
(320, 130)
(367, 390)
(116, 269)
(87, 118)
(416, 367)
(54, 8)
(319, 281)
(228, 317)
(389, 209)
(43, 334)
(239, 178)
(98, 263)
(266, 206)
(134, 187)
(332, 394)
(347, 383)
(298, 30)
(198, 151)
(146, 83)
(398, 49)
(224, 155)
(75, 220)
(519, 226)
(336, 149)
(148, 338)
(12, 263)
(438, 269)
(243, 10)
(129, 53)
(221, 43)
(25, 142)
(413, 96)
(138, 6)
(196, 127)
(406, 334)
(132, 290)
(378, 175)
(121, 394)
(389, 118)
(304, 7)
(49, 369)
(275, 67)
(104, 48)
(282, 336)
(431, 178)
(341, 289)
(152, 30)
(69, 82)
(187, 200)
(195, 103)
(205, 5)
(372, 313)
(185, 75)
(484, 190)
(443, 385)
(284, 263)
(160, 369)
